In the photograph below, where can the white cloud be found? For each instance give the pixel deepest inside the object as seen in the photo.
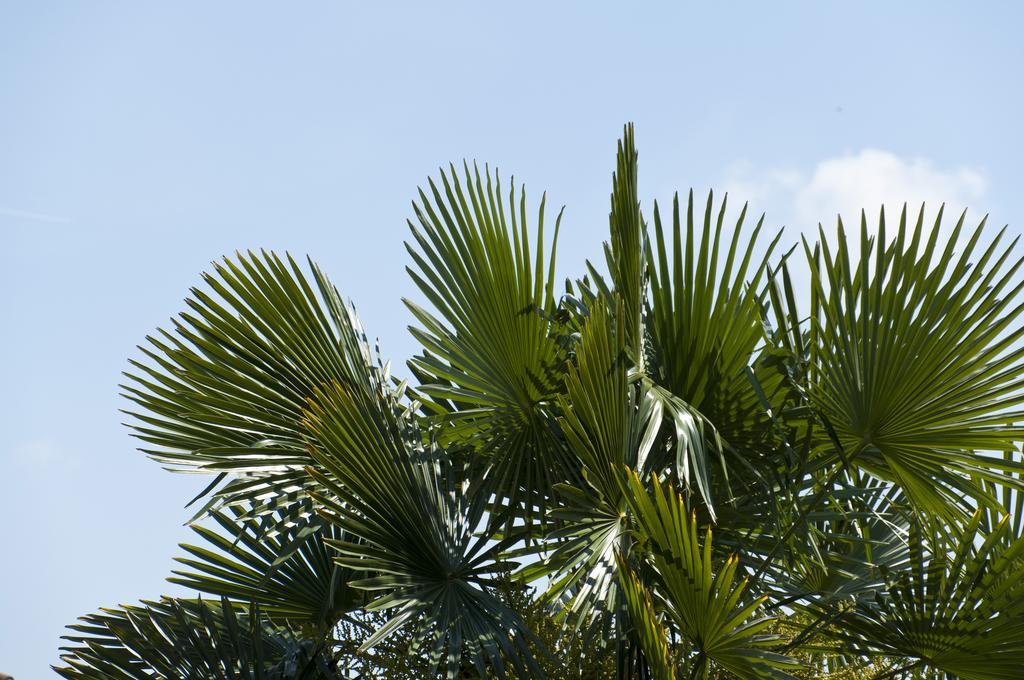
(873, 178)
(845, 184)
(800, 198)
(745, 183)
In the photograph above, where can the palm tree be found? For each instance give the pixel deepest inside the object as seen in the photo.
(705, 468)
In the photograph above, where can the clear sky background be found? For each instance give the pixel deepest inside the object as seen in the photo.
(139, 141)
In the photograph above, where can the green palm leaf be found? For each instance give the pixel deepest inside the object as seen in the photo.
(959, 608)
(189, 640)
(914, 359)
(706, 607)
(224, 393)
(844, 547)
(599, 402)
(646, 623)
(490, 357)
(704, 315)
(625, 250)
(291, 576)
(414, 519)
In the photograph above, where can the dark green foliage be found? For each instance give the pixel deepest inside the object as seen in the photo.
(193, 640)
(688, 466)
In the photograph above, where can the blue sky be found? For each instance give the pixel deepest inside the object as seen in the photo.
(140, 141)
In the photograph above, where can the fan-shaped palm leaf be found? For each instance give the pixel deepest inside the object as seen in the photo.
(291, 576)
(189, 640)
(704, 606)
(387, 486)
(489, 352)
(646, 623)
(958, 609)
(914, 359)
(704, 315)
(845, 546)
(624, 252)
(225, 391)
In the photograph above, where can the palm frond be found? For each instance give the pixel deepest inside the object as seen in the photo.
(646, 623)
(490, 361)
(292, 576)
(704, 314)
(412, 521)
(958, 609)
(704, 604)
(914, 359)
(189, 640)
(224, 391)
(844, 547)
(625, 250)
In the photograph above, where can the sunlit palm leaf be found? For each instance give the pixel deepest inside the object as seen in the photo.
(704, 604)
(599, 402)
(915, 359)
(704, 315)
(646, 623)
(624, 252)
(702, 325)
(489, 351)
(1009, 490)
(223, 393)
(959, 608)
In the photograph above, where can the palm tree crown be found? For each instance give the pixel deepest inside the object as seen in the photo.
(704, 468)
